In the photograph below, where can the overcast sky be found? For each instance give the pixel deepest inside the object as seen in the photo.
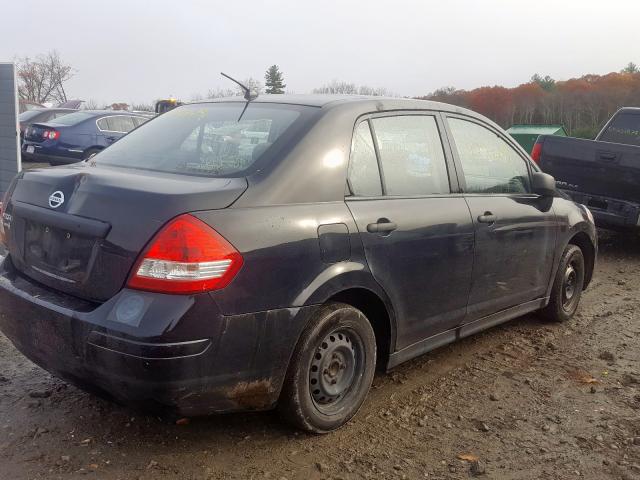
(134, 50)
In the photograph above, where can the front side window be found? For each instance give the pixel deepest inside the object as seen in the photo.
(364, 176)
(489, 163)
(411, 155)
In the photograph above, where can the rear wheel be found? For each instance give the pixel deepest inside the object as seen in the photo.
(567, 286)
(331, 370)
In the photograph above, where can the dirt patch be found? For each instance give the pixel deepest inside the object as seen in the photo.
(526, 400)
(253, 395)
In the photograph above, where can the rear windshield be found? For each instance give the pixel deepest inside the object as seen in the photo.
(215, 139)
(624, 128)
(73, 118)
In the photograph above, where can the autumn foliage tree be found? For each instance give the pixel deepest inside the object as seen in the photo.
(42, 79)
(582, 104)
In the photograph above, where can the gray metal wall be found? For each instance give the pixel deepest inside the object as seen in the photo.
(9, 132)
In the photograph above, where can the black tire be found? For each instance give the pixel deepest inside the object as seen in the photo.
(567, 286)
(89, 153)
(331, 370)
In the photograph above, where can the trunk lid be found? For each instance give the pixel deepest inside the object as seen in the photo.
(33, 132)
(79, 229)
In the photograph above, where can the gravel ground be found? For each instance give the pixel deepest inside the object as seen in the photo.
(526, 400)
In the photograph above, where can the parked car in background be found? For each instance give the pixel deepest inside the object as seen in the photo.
(162, 106)
(73, 104)
(603, 174)
(25, 105)
(40, 115)
(77, 136)
(235, 255)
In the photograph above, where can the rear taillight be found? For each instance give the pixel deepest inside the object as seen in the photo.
(536, 151)
(51, 134)
(186, 256)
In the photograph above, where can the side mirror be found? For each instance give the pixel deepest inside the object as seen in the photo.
(543, 184)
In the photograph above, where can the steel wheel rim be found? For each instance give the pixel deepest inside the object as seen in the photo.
(570, 286)
(336, 369)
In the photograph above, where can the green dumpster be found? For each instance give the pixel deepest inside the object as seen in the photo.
(526, 135)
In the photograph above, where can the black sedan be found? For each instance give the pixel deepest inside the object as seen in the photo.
(242, 256)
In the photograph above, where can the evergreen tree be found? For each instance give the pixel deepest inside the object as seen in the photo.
(547, 83)
(274, 80)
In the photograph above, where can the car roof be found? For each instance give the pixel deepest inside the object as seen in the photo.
(629, 110)
(312, 100)
(325, 101)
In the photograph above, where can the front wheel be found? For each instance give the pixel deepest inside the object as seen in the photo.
(567, 286)
(331, 370)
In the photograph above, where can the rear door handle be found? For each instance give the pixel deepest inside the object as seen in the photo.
(488, 217)
(381, 227)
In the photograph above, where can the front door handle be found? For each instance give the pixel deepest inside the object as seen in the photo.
(381, 227)
(488, 217)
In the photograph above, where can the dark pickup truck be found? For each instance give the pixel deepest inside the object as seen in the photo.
(603, 174)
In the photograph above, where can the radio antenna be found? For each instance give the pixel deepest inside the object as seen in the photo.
(248, 96)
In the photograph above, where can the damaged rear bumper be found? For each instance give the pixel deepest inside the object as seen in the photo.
(153, 350)
(609, 212)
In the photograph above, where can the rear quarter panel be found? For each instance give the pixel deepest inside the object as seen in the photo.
(283, 264)
(79, 137)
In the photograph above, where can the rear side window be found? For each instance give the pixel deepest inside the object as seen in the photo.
(624, 128)
(116, 123)
(137, 121)
(215, 139)
(411, 155)
(489, 164)
(364, 176)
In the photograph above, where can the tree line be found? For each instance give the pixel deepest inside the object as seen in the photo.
(582, 105)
